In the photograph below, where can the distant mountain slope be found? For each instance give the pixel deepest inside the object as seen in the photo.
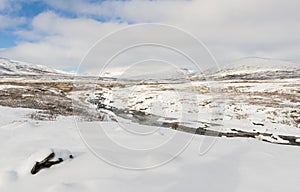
(259, 68)
(11, 67)
(147, 72)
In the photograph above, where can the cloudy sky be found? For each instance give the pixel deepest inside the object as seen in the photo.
(58, 33)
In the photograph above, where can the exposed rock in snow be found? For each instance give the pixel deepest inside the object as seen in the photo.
(47, 158)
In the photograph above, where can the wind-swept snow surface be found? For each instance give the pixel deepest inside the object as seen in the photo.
(230, 165)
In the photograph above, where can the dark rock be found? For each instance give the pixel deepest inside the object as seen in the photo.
(46, 163)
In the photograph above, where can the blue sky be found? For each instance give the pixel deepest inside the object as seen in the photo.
(34, 29)
(27, 10)
(23, 10)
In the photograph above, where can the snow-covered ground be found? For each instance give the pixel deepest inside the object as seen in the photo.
(230, 165)
(237, 131)
(264, 106)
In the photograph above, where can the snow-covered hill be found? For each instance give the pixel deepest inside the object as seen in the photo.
(259, 68)
(255, 64)
(12, 67)
(147, 72)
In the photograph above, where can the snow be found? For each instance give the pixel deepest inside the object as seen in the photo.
(126, 156)
(147, 70)
(252, 68)
(12, 67)
(271, 102)
(255, 64)
(230, 164)
(11, 87)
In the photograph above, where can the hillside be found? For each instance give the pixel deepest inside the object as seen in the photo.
(259, 68)
(13, 68)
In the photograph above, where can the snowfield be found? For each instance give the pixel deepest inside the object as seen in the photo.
(237, 130)
(230, 165)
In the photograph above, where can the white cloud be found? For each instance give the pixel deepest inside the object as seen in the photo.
(8, 6)
(247, 27)
(62, 43)
(231, 29)
(56, 41)
(3, 4)
(7, 22)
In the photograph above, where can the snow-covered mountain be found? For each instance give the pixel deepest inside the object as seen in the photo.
(153, 72)
(246, 68)
(12, 67)
(259, 68)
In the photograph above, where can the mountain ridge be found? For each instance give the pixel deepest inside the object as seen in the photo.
(258, 68)
(13, 67)
(244, 68)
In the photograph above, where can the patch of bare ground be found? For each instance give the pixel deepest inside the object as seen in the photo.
(53, 102)
(51, 99)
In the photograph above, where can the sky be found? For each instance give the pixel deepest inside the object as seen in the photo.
(59, 33)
